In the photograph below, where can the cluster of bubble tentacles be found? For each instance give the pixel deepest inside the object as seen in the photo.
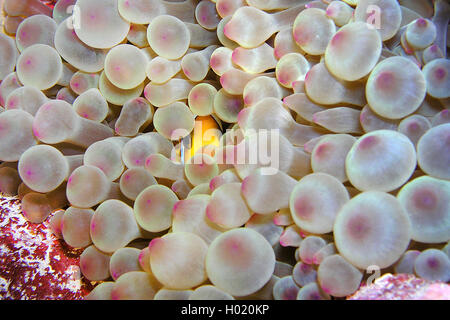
(96, 95)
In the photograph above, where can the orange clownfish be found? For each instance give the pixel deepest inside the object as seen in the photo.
(205, 136)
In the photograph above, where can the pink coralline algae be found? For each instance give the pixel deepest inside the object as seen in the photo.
(34, 264)
(402, 287)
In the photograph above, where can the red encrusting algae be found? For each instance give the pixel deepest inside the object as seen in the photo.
(34, 264)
